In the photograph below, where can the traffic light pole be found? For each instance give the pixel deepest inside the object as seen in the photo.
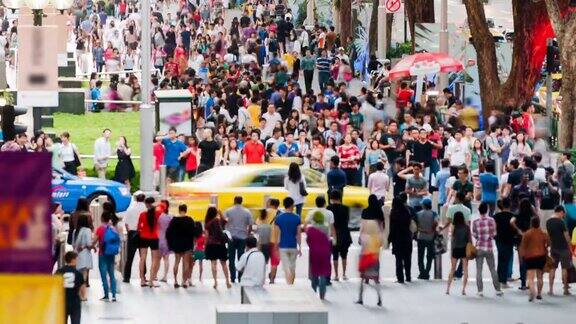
(146, 110)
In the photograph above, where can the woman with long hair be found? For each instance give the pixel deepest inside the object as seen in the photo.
(317, 154)
(180, 236)
(401, 238)
(191, 155)
(82, 243)
(216, 241)
(349, 160)
(233, 156)
(369, 259)
(124, 171)
(148, 231)
(533, 250)
(521, 223)
(295, 184)
(519, 148)
(329, 151)
(460, 238)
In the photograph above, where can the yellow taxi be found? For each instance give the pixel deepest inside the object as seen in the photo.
(256, 183)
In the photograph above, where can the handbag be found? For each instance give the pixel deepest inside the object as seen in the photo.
(549, 266)
(303, 191)
(77, 162)
(470, 251)
(571, 274)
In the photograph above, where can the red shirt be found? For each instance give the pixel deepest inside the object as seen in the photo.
(349, 152)
(191, 163)
(144, 228)
(403, 97)
(436, 138)
(254, 152)
(158, 152)
(100, 234)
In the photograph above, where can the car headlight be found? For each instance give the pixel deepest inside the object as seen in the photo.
(124, 191)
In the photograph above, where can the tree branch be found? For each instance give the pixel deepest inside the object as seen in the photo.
(556, 18)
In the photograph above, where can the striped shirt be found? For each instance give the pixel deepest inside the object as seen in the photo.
(323, 64)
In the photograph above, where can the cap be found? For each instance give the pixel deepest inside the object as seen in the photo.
(427, 128)
(427, 202)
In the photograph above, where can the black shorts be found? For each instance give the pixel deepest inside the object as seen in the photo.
(537, 263)
(216, 252)
(459, 253)
(172, 173)
(148, 243)
(339, 251)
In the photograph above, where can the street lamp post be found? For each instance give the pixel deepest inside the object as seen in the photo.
(146, 110)
(443, 38)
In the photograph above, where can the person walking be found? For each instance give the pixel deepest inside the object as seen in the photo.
(401, 239)
(460, 239)
(343, 239)
(559, 248)
(102, 153)
(73, 286)
(173, 150)
(148, 239)
(308, 64)
(521, 223)
(319, 243)
(323, 65)
(239, 224)
(131, 217)
(105, 257)
(163, 223)
(295, 184)
(82, 244)
(336, 177)
(180, 236)
(369, 259)
(349, 155)
(252, 265)
(427, 221)
(505, 239)
(216, 241)
(534, 250)
(124, 170)
(484, 231)
(289, 226)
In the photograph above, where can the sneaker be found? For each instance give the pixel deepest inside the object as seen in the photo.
(499, 293)
(105, 299)
(113, 299)
(154, 284)
(539, 297)
(523, 288)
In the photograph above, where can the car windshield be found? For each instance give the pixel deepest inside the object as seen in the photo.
(275, 178)
(221, 175)
(58, 173)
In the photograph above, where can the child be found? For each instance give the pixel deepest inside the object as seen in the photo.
(73, 285)
(199, 250)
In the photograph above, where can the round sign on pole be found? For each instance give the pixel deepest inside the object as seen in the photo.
(393, 6)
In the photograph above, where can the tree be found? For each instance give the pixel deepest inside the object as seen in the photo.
(345, 21)
(563, 17)
(373, 31)
(418, 11)
(529, 50)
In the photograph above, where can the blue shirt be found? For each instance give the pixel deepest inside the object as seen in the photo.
(95, 94)
(284, 150)
(489, 184)
(288, 224)
(172, 152)
(441, 178)
(336, 179)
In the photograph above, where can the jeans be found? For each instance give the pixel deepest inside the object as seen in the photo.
(74, 314)
(505, 254)
(308, 77)
(132, 247)
(299, 209)
(319, 283)
(351, 177)
(323, 78)
(491, 207)
(235, 248)
(181, 172)
(522, 271)
(423, 246)
(489, 256)
(403, 265)
(106, 266)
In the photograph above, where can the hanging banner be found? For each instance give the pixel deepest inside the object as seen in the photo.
(28, 299)
(25, 219)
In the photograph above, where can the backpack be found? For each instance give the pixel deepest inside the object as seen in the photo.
(111, 241)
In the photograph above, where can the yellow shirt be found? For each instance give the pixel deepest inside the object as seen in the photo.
(254, 111)
(469, 117)
(289, 59)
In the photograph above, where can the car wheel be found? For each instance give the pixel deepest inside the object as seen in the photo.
(95, 196)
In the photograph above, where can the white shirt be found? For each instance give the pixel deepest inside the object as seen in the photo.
(294, 189)
(378, 183)
(102, 151)
(271, 120)
(457, 151)
(243, 116)
(253, 265)
(67, 152)
(132, 214)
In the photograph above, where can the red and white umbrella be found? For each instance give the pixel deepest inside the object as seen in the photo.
(425, 63)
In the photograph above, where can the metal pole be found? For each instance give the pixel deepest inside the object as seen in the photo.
(443, 39)
(146, 110)
(382, 30)
(163, 181)
(405, 26)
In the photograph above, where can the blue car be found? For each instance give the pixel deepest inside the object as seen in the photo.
(68, 188)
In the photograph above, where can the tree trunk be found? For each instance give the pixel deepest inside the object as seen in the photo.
(373, 31)
(418, 11)
(529, 50)
(345, 21)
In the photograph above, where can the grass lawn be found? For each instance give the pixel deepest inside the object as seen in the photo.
(85, 129)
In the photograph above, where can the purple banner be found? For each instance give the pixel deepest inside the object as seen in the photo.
(25, 219)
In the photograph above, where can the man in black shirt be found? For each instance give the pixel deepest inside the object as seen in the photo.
(207, 152)
(343, 238)
(73, 284)
(392, 143)
(505, 239)
(421, 151)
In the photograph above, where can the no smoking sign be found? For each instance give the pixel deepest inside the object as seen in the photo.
(393, 6)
